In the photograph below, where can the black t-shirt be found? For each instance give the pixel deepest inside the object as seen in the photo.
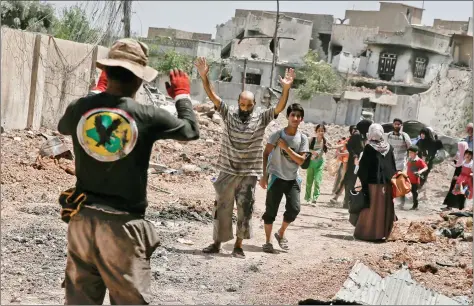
(113, 139)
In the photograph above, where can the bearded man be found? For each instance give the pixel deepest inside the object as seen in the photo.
(240, 159)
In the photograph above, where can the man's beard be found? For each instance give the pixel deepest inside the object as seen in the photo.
(245, 115)
(397, 130)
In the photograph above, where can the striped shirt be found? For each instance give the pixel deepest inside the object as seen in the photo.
(400, 144)
(242, 142)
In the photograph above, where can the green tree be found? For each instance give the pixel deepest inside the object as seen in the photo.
(33, 15)
(171, 59)
(74, 25)
(318, 77)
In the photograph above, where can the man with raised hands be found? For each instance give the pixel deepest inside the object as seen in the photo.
(240, 159)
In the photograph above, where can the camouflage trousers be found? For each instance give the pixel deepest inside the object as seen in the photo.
(229, 189)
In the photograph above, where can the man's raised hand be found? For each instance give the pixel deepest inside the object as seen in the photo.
(201, 66)
(290, 76)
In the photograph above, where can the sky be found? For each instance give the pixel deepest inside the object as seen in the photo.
(203, 16)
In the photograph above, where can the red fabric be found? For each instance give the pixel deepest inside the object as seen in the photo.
(414, 166)
(464, 179)
(102, 84)
(179, 83)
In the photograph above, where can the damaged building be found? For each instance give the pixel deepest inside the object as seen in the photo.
(320, 33)
(250, 40)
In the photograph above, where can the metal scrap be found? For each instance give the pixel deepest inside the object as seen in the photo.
(368, 288)
(53, 147)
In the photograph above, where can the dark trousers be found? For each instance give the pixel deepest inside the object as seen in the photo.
(109, 251)
(275, 192)
(424, 176)
(349, 182)
(414, 192)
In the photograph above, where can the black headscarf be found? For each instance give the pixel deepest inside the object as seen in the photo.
(363, 127)
(430, 145)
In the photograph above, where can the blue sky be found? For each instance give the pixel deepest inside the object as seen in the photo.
(203, 16)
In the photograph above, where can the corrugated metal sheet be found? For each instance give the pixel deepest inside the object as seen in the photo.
(367, 287)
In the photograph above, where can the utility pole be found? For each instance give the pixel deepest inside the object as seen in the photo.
(244, 74)
(127, 14)
(275, 44)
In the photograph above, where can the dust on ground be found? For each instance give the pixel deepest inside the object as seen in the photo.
(322, 252)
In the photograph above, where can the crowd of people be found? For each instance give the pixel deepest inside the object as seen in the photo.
(110, 243)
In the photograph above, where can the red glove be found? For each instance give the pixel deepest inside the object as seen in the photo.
(102, 84)
(179, 83)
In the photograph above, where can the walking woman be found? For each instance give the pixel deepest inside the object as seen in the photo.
(355, 146)
(318, 146)
(451, 200)
(376, 168)
(429, 146)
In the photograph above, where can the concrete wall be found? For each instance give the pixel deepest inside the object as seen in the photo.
(226, 32)
(461, 50)
(390, 18)
(188, 47)
(345, 62)
(470, 27)
(290, 50)
(451, 25)
(258, 67)
(447, 105)
(350, 38)
(41, 75)
(416, 38)
(16, 66)
(174, 33)
(67, 77)
(405, 63)
(322, 23)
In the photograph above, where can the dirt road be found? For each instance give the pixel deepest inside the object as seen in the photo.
(321, 255)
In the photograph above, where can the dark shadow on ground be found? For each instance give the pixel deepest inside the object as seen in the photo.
(341, 237)
(252, 248)
(198, 252)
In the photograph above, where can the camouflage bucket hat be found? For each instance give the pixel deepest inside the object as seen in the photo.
(131, 55)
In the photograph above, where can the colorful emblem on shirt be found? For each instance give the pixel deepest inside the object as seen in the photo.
(107, 134)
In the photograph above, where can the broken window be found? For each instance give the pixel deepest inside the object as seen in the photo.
(420, 67)
(252, 78)
(387, 64)
(336, 50)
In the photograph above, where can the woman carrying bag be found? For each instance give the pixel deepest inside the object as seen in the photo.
(376, 169)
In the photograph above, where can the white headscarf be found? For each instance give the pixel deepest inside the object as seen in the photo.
(375, 136)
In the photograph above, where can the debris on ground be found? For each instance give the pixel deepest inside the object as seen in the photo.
(54, 146)
(333, 302)
(418, 231)
(366, 287)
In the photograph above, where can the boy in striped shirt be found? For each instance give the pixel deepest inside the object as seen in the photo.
(240, 159)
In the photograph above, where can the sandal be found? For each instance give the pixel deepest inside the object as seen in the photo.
(238, 252)
(268, 248)
(211, 249)
(282, 242)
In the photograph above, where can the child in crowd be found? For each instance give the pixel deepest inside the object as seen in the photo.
(314, 175)
(415, 166)
(464, 180)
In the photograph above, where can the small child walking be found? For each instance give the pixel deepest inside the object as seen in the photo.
(415, 166)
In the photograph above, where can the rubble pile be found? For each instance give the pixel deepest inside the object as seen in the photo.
(378, 90)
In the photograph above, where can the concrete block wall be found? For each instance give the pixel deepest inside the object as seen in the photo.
(41, 75)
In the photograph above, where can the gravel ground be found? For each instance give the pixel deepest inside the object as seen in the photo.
(322, 247)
